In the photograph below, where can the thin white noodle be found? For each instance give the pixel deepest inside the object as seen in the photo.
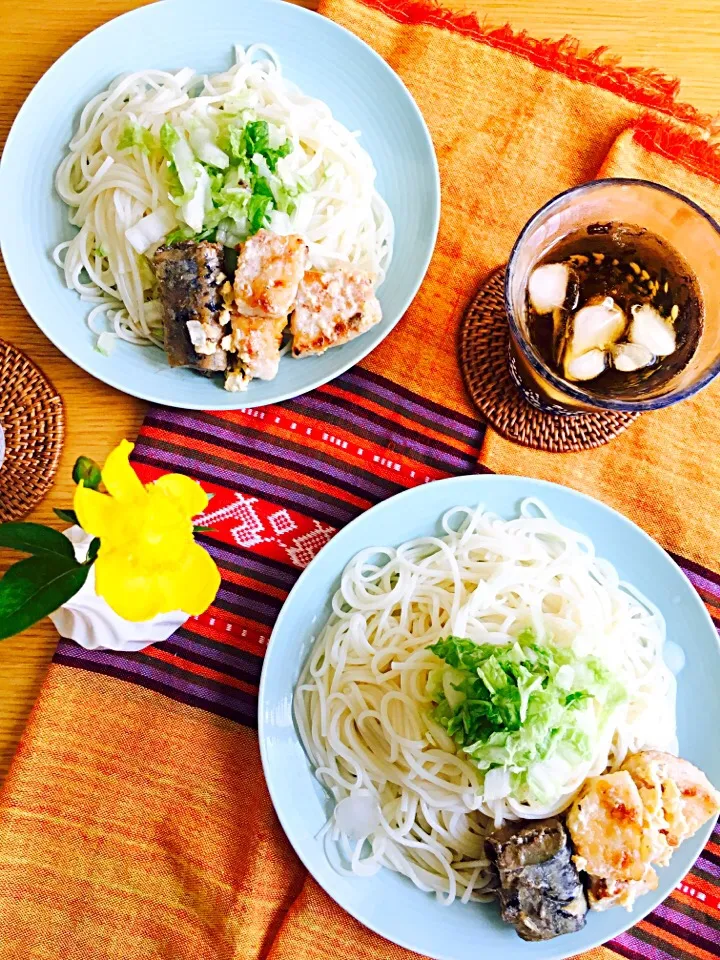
(340, 213)
(363, 709)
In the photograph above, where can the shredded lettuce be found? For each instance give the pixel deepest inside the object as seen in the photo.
(234, 182)
(243, 143)
(224, 182)
(183, 171)
(106, 343)
(133, 135)
(533, 710)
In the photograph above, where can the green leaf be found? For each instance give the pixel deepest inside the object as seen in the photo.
(257, 212)
(257, 133)
(68, 515)
(36, 539)
(178, 235)
(35, 587)
(236, 145)
(201, 529)
(168, 138)
(261, 188)
(273, 155)
(175, 188)
(88, 471)
(243, 143)
(133, 135)
(92, 552)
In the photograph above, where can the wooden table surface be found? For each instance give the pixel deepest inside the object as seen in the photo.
(683, 39)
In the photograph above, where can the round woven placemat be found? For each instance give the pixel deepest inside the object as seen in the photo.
(31, 415)
(484, 361)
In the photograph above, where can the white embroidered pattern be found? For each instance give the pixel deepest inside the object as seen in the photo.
(246, 525)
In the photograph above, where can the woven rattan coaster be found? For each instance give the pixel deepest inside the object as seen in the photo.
(484, 361)
(31, 415)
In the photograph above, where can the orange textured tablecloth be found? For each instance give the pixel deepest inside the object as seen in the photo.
(135, 823)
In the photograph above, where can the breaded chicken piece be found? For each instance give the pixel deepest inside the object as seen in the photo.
(622, 822)
(332, 307)
(604, 893)
(606, 824)
(677, 797)
(269, 269)
(255, 341)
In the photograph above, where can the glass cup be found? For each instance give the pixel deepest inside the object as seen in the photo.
(667, 214)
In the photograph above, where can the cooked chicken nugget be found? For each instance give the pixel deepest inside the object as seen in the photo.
(332, 307)
(606, 824)
(678, 797)
(604, 893)
(269, 269)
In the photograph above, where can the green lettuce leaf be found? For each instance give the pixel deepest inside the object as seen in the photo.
(535, 710)
(243, 195)
(133, 135)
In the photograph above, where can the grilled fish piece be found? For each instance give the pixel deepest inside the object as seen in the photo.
(540, 890)
(332, 307)
(190, 279)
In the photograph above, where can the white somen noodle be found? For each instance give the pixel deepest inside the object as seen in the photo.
(408, 798)
(339, 212)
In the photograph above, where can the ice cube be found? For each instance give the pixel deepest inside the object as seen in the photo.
(631, 356)
(598, 325)
(586, 366)
(547, 286)
(594, 329)
(649, 329)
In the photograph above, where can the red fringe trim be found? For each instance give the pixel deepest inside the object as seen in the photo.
(642, 85)
(689, 150)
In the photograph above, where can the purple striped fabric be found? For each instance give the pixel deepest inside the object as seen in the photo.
(178, 684)
(403, 400)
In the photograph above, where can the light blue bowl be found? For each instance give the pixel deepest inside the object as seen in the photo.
(387, 902)
(326, 61)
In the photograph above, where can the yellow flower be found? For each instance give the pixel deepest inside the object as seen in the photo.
(148, 561)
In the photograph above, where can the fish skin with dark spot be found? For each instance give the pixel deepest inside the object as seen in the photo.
(540, 890)
(189, 278)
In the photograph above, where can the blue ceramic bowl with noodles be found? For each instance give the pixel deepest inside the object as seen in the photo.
(388, 902)
(325, 61)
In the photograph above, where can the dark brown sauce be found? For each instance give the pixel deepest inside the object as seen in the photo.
(633, 266)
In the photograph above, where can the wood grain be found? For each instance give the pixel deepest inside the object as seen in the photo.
(682, 39)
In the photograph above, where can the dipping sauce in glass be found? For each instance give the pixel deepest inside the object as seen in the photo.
(614, 307)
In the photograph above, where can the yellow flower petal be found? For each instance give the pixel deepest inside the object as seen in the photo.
(162, 531)
(189, 494)
(119, 478)
(127, 588)
(193, 585)
(95, 511)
